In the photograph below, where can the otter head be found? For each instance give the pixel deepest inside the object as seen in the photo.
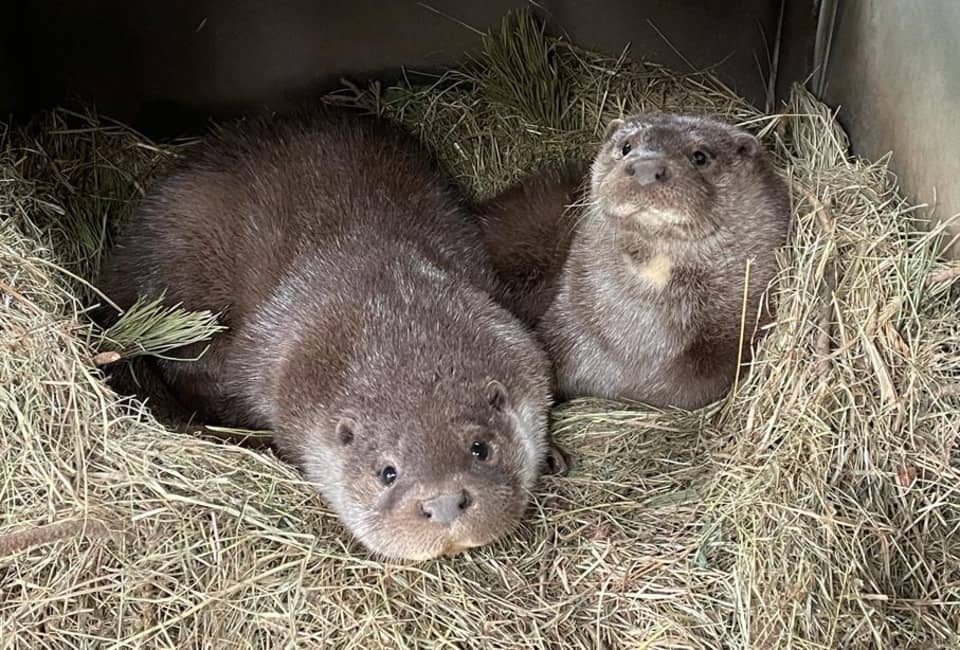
(425, 453)
(436, 476)
(672, 175)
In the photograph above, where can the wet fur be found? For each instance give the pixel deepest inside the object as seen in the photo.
(355, 290)
(647, 305)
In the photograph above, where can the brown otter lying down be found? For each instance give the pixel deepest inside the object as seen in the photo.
(361, 330)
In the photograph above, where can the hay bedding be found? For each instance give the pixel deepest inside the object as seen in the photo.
(818, 507)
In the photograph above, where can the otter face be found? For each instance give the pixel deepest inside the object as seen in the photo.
(418, 484)
(669, 174)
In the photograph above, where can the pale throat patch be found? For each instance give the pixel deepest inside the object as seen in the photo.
(657, 270)
(647, 216)
(656, 217)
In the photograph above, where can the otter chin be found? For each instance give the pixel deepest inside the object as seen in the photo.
(642, 296)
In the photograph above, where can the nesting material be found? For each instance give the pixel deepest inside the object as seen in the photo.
(817, 507)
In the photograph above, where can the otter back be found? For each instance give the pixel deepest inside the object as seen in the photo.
(528, 229)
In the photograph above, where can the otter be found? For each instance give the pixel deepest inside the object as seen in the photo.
(360, 325)
(527, 230)
(640, 286)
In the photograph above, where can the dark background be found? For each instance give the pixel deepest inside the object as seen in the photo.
(165, 66)
(168, 66)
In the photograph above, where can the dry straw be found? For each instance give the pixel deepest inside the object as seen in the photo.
(818, 507)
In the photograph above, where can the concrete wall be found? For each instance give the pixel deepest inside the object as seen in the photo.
(163, 65)
(893, 71)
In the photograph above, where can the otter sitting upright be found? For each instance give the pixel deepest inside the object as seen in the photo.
(646, 302)
(361, 329)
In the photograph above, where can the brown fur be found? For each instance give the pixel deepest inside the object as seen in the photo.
(648, 304)
(361, 330)
(530, 227)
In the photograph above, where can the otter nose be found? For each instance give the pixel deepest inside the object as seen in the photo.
(445, 508)
(647, 171)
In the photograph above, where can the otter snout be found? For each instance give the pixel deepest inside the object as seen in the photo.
(445, 508)
(648, 170)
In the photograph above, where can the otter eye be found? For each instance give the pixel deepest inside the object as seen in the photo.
(626, 148)
(480, 450)
(388, 475)
(698, 158)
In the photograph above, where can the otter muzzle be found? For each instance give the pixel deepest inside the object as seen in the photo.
(647, 170)
(445, 508)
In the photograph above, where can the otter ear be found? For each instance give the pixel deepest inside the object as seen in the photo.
(497, 395)
(612, 127)
(347, 428)
(746, 145)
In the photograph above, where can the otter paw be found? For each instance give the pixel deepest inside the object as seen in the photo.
(557, 462)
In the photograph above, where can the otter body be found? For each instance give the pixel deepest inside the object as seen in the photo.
(649, 300)
(528, 229)
(360, 326)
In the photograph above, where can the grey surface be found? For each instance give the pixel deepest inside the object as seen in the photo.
(166, 64)
(893, 72)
